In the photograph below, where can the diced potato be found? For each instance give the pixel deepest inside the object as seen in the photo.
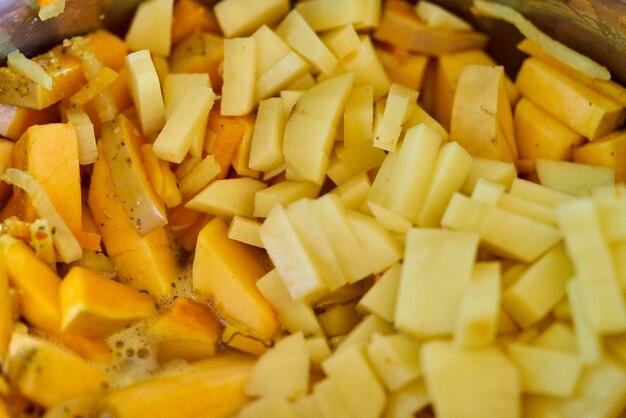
(161, 176)
(573, 178)
(339, 320)
(476, 325)
(538, 194)
(358, 117)
(401, 27)
(318, 350)
(381, 298)
(399, 106)
(497, 171)
(588, 339)
(227, 197)
(367, 68)
(242, 17)
(212, 388)
(188, 330)
(225, 272)
(282, 370)
(294, 316)
(327, 400)
(431, 289)
(342, 41)
(593, 265)
(199, 177)
(539, 288)
(500, 229)
(48, 374)
(328, 14)
(544, 371)
(353, 191)
(266, 149)
(610, 203)
(150, 28)
(463, 383)
(389, 219)
(407, 401)
(238, 90)
(146, 91)
(395, 358)
(269, 406)
(245, 230)
(581, 108)
(282, 193)
(60, 180)
(96, 306)
(352, 376)
(558, 336)
(481, 118)
(527, 208)
(438, 17)
(488, 192)
(297, 33)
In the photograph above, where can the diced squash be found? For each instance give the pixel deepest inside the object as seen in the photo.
(225, 272)
(96, 306)
(223, 137)
(143, 262)
(401, 27)
(581, 108)
(191, 16)
(15, 120)
(188, 330)
(6, 310)
(6, 151)
(161, 177)
(60, 180)
(212, 388)
(608, 151)
(46, 373)
(408, 70)
(65, 69)
(200, 52)
(39, 300)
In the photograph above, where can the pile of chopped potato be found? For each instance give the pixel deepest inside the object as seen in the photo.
(340, 209)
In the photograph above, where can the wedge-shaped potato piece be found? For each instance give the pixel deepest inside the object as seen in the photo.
(282, 193)
(362, 333)
(367, 68)
(398, 108)
(342, 41)
(60, 180)
(282, 371)
(146, 91)
(200, 176)
(349, 161)
(326, 14)
(227, 197)
(608, 151)
(145, 31)
(537, 193)
(266, 149)
(583, 109)
(48, 374)
(242, 17)
(488, 192)
(499, 229)
(352, 376)
(312, 126)
(395, 358)
(527, 208)
(297, 33)
(96, 306)
(573, 178)
(339, 320)
(121, 143)
(558, 336)
(225, 272)
(431, 289)
(211, 388)
(39, 300)
(438, 17)
(302, 218)
(353, 191)
(481, 118)
(382, 296)
(408, 401)
(400, 26)
(297, 267)
(245, 230)
(540, 135)
(145, 263)
(188, 330)
(593, 265)
(65, 69)
(294, 316)
(387, 218)
(496, 171)
(477, 323)
(547, 372)
(539, 288)
(474, 383)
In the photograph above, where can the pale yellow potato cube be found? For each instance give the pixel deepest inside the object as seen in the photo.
(545, 371)
(199, 176)
(358, 118)
(176, 87)
(395, 358)
(539, 288)
(146, 91)
(318, 350)
(593, 265)
(420, 116)
(295, 265)
(362, 334)
(238, 90)
(381, 298)
(151, 27)
(329, 14)
(270, 49)
(572, 178)
(282, 193)
(389, 219)
(352, 375)
(282, 371)
(367, 68)
(297, 33)
(245, 230)
(181, 129)
(399, 107)
(488, 192)
(408, 400)
(242, 17)
(283, 74)
(353, 191)
(477, 322)
(500, 230)
(467, 384)
(228, 197)
(431, 288)
(342, 41)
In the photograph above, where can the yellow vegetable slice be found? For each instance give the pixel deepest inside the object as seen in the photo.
(64, 241)
(559, 51)
(29, 69)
